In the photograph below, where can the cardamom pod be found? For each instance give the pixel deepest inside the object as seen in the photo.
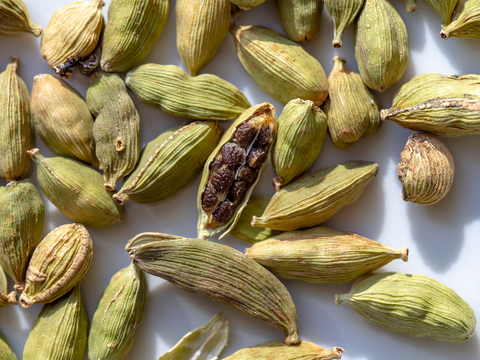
(439, 104)
(301, 130)
(316, 197)
(132, 29)
(343, 13)
(116, 129)
(236, 11)
(76, 190)
(14, 18)
(16, 129)
(170, 162)
(6, 353)
(280, 66)
(219, 273)
(203, 97)
(21, 226)
(322, 255)
(60, 330)
(381, 45)
(277, 350)
(444, 9)
(301, 19)
(353, 111)
(232, 170)
(411, 5)
(426, 170)
(62, 119)
(201, 27)
(5, 298)
(412, 304)
(120, 310)
(247, 4)
(465, 22)
(204, 343)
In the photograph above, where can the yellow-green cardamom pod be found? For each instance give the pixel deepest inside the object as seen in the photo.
(170, 162)
(60, 330)
(203, 97)
(444, 9)
(439, 104)
(116, 129)
(316, 197)
(381, 45)
(119, 312)
(280, 66)
(133, 27)
(201, 27)
(412, 304)
(62, 119)
(247, 4)
(21, 226)
(5, 297)
(343, 13)
(465, 21)
(353, 111)
(301, 130)
(301, 18)
(6, 352)
(219, 273)
(232, 170)
(14, 18)
(16, 128)
(76, 190)
(322, 255)
(411, 5)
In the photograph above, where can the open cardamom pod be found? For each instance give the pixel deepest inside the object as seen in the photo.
(14, 18)
(301, 18)
(465, 22)
(343, 13)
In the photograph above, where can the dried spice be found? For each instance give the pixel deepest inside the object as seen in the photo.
(6, 353)
(247, 4)
(465, 22)
(343, 13)
(14, 18)
(444, 9)
(411, 5)
(5, 298)
(301, 19)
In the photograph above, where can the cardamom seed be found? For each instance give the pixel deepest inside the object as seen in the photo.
(444, 9)
(301, 19)
(411, 5)
(6, 353)
(465, 22)
(5, 298)
(247, 4)
(219, 273)
(343, 13)
(14, 18)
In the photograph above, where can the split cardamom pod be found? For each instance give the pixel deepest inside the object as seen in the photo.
(232, 170)
(412, 304)
(170, 162)
(322, 255)
(411, 5)
(465, 22)
(444, 9)
(353, 111)
(316, 197)
(116, 129)
(381, 45)
(247, 4)
(131, 30)
(203, 97)
(60, 330)
(120, 310)
(280, 66)
(59, 263)
(5, 297)
(6, 352)
(21, 226)
(76, 190)
(62, 119)
(14, 18)
(219, 273)
(343, 13)
(301, 19)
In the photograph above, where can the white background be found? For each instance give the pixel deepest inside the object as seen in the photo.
(443, 238)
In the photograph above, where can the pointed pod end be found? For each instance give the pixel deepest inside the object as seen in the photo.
(120, 198)
(19, 286)
(277, 183)
(444, 35)
(12, 298)
(254, 221)
(34, 153)
(384, 114)
(25, 301)
(36, 30)
(337, 44)
(292, 338)
(337, 352)
(405, 252)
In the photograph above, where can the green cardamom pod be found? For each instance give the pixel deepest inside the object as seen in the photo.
(14, 17)
(232, 170)
(203, 97)
(201, 27)
(21, 226)
(316, 197)
(133, 27)
(5, 297)
(120, 310)
(6, 352)
(343, 13)
(381, 45)
(204, 343)
(62, 119)
(16, 129)
(412, 304)
(219, 273)
(301, 130)
(322, 255)
(76, 190)
(353, 111)
(280, 66)
(444, 9)
(465, 22)
(60, 330)
(247, 4)
(439, 104)
(116, 129)
(170, 162)
(411, 5)
(301, 18)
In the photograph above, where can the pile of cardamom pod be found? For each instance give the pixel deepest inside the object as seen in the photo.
(100, 165)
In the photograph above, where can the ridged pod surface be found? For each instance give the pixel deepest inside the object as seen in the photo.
(14, 18)
(444, 9)
(412, 304)
(465, 22)
(6, 352)
(247, 4)
(219, 273)
(133, 27)
(203, 97)
(343, 14)
(322, 255)
(5, 297)
(280, 66)
(301, 18)
(381, 45)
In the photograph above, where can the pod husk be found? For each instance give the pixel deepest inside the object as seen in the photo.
(247, 4)
(6, 352)
(465, 22)
(5, 297)
(301, 19)
(343, 14)
(411, 5)
(14, 18)
(444, 9)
